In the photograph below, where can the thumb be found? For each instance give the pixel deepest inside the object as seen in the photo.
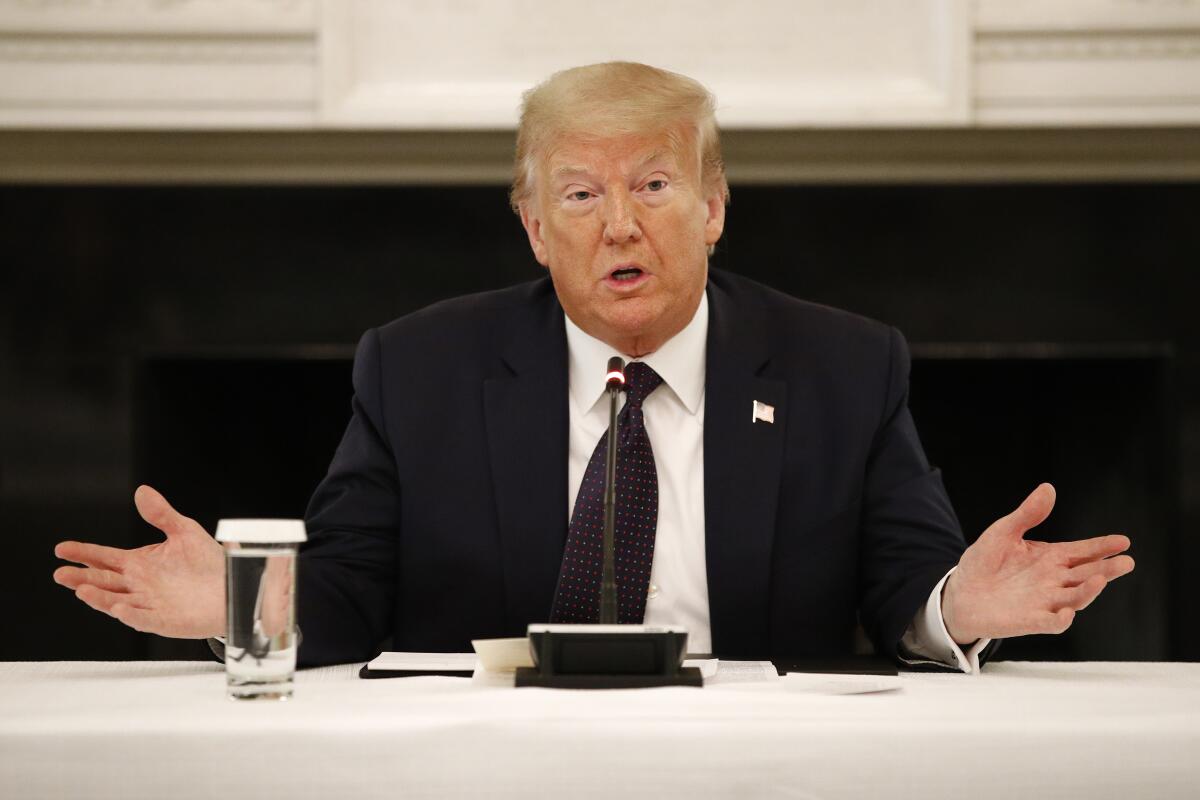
(155, 509)
(1031, 513)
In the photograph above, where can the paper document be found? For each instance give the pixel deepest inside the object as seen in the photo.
(824, 683)
(425, 662)
(742, 672)
(503, 655)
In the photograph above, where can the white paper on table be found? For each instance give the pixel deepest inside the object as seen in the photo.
(425, 662)
(742, 672)
(827, 683)
(503, 655)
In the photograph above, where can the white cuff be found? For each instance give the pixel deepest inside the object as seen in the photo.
(928, 638)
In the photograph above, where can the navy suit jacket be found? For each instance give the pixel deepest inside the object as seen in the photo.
(444, 513)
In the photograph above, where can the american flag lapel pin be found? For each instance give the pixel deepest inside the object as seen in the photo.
(763, 412)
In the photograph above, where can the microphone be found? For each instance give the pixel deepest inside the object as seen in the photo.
(608, 655)
(614, 385)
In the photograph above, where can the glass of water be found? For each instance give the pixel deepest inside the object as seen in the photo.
(260, 598)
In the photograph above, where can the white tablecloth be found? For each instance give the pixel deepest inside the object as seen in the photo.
(1019, 730)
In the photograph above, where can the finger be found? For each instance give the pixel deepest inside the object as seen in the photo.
(1093, 549)
(1056, 621)
(1082, 595)
(1032, 512)
(155, 509)
(1109, 568)
(101, 600)
(94, 555)
(74, 577)
(139, 619)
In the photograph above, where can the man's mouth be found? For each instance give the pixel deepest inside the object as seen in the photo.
(626, 279)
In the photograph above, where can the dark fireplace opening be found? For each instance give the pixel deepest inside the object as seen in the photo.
(181, 336)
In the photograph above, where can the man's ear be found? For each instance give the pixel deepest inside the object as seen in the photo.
(714, 224)
(533, 229)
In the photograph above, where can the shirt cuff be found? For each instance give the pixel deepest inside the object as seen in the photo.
(927, 640)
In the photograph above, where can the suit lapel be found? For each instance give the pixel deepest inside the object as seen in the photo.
(743, 460)
(526, 415)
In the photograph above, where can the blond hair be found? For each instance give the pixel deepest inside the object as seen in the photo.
(614, 99)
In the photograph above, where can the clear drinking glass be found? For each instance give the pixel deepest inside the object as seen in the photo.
(260, 598)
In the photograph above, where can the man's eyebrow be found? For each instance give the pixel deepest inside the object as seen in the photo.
(567, 171)
(657, 155)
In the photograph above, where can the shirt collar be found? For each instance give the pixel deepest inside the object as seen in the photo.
(680, 362)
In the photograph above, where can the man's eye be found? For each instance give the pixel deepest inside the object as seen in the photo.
(581, 195)
(656, 185)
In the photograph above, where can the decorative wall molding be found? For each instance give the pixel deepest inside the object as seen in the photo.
(810, 156)
(1098, 62)
(163, 50)
(158, 63)
(1043, 16)
(1059, 47)
(132, 17)
(416, 66)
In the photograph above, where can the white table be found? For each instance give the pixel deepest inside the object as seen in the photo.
(1020, 730)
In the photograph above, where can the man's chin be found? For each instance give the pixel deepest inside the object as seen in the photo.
(634, 330)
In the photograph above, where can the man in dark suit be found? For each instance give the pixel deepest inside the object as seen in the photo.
(782, 491)
(464, 409)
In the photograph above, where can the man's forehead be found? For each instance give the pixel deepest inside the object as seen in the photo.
(575, 155)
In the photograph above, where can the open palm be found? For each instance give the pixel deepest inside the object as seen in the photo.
(1005, 585)
(173, 588)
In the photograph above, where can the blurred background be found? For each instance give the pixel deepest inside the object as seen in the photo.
(204, 203)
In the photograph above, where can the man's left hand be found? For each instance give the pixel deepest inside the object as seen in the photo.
(1006, 586)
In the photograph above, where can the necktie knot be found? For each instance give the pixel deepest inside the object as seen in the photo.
(640, 381)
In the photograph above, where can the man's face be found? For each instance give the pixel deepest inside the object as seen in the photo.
(624, 226)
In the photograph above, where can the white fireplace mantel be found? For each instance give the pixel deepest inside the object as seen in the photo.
(338, 73)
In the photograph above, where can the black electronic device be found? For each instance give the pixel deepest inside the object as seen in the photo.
(607, 657)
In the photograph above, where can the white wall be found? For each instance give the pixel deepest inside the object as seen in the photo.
(462, 64)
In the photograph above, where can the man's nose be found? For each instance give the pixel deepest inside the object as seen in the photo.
(620, 224)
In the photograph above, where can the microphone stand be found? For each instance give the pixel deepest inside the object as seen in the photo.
(608, 655)
(608, 580)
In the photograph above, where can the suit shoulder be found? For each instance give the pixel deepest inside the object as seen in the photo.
(478, 309)
(462, 326)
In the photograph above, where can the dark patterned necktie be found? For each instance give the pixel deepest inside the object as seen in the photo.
(577, 598)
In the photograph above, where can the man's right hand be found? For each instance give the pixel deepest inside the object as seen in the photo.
(173, 588)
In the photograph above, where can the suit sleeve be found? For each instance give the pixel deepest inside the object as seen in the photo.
(345, 584)
(910, 536)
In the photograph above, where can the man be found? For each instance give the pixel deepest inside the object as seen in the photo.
(773, 486)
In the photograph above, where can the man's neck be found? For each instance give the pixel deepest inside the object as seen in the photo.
(680, 361)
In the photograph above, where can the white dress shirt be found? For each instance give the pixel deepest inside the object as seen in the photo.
(674, 416)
